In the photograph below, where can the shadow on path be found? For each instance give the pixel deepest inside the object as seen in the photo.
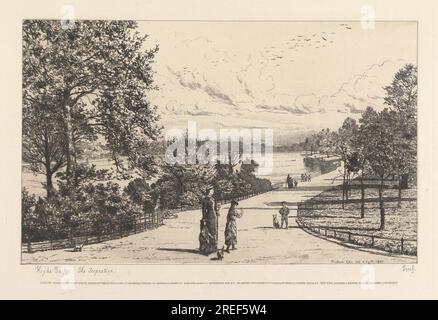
(194, 251)
(278, 207)
(279, 204)
(290, 227)
(304, 188)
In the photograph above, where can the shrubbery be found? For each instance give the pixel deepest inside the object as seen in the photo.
(92, 208)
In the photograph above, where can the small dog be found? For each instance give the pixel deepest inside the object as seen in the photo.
(78, 248)
(220, 254)
(275, 222)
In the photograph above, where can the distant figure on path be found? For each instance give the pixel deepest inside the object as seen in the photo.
(284, 212)
(305, 177)
(209, 224)
(296, 183)
(231, 227)
(289, 182)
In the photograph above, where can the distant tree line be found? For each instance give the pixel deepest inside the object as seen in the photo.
(293, 147)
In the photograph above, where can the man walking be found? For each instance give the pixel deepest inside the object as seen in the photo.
(284, 212)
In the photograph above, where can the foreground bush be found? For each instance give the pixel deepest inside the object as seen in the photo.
(91, 209)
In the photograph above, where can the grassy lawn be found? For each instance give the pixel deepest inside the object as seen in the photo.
(326, 211)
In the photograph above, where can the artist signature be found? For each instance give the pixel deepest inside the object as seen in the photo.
(408, 268)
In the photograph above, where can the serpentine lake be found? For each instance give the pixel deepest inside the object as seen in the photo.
(283, 164)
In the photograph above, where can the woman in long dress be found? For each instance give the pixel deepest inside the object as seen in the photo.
(231, 226)
(209, 224)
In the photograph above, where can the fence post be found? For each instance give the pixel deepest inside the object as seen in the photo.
(334, 234)
(372, 241)
(29, 247)
(401, 247)
(349, 237)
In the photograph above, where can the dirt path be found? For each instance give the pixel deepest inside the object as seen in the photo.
(258, 242)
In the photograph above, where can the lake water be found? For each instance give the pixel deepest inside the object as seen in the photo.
(283, 164)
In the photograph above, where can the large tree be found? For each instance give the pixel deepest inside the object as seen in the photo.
(184, 184)
(378, 149)
(358, 161)
(43, 143)
(402, 93)
(401, 97)
(344, 148)
(92, 80)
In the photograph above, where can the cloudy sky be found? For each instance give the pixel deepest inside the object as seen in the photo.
(293, 77)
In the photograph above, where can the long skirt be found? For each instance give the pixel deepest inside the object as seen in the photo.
(207, 241)
(231, 232)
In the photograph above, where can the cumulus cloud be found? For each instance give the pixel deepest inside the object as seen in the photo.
(257, 89)
(307, 103)
(352, 108)
(362, 90)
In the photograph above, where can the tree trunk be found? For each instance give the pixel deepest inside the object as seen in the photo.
(70, 170)
(75, 162)
(343, 189)
(381, 205)
(47, 164)
(404, 181)
(347, 188)
(230, 163)
(49, 182)
(399, 192)
(362, 197)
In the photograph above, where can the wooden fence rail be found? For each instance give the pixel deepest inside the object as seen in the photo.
(393, 245)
